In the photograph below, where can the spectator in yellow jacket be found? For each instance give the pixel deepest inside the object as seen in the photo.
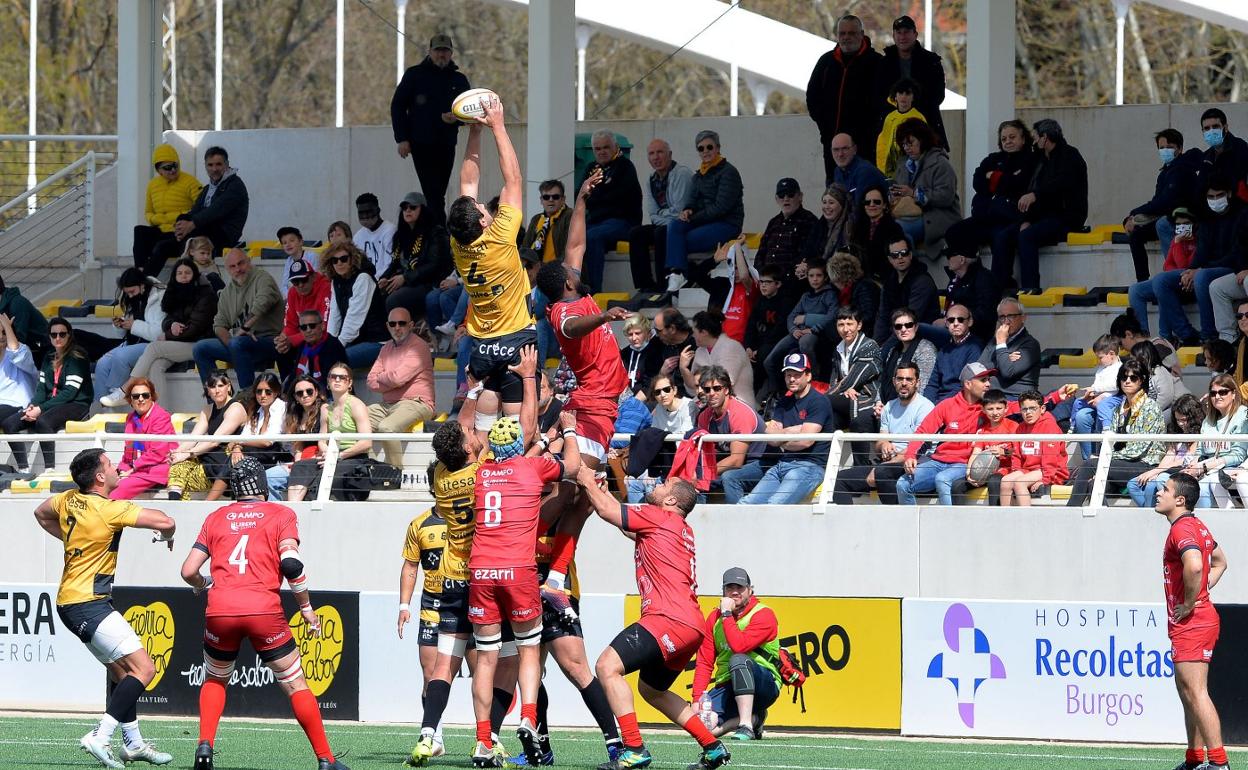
(888, 155)
(170, 194)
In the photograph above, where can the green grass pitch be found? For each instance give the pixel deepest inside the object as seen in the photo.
(275, 745)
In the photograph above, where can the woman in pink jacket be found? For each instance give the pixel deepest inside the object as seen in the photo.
(144, 464)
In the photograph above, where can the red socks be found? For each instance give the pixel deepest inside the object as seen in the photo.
(562, 551)
(529, 711)
(483, 732)
(308, 714)
(1217, 756)
(699, 732)
(1194, 757)
(211, 706)
(630, 733)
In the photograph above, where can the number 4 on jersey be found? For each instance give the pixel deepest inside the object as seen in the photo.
(238, 557)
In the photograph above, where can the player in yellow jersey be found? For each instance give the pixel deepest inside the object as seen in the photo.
(90, 526)
(499, 320)
(422, 550)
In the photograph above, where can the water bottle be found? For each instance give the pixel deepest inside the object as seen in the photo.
(707, 713)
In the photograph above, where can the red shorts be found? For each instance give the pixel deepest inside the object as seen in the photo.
(595, 424)
(1194, 644)
(677, 641)
(224, 633)
(495, 593)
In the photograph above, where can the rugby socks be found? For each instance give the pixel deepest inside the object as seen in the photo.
(529, 711)
(499, 707)
(1217, 756)
(596, 701)
(105, 728)
(1195, 757)
(543, 707)
(131, 735)
(211, 706)
(121, 702)
(436, 697)
(483, 732)
(699, 732)
(629, 730)
(308, 714)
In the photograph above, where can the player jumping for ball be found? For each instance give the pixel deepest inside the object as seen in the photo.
(252, 545)
(670, 630)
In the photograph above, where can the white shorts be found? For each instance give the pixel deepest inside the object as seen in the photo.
(113, 639)
(593, 449)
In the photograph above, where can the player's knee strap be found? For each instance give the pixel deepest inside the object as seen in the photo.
(218, 669)
(484, 422)
(290, 673)
(529, 638)
(452, 645)
(742, 674)
(491, 643)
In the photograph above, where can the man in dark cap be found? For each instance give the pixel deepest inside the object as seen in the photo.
(782, 240)
(907, 58)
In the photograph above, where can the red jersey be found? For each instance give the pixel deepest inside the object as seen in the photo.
(737, 309)
(508, 504)
(667, 566)
(1186, 533)
(594, 358)
(241, 540)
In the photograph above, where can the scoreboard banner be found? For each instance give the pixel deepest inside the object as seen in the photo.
(42, 665)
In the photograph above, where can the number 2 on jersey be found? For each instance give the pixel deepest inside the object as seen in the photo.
(493, 509)
(238, 557)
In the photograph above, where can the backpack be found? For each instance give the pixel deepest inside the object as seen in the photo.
(792, 675)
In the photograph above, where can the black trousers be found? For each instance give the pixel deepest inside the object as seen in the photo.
(641, 239)
(49, 421)
(1120, 472)
(843, 418)
(153, 248)
(433, 168)
(852, 482)
(1141, 235)
(962, 489)
(886, 478)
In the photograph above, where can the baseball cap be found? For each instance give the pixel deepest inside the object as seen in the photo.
(904, 22)
(299, 270)
(787, 186)
(796, 362)
(737, 576)
(1182, 211)
(444, 41)
(974, 371)
(415, 199)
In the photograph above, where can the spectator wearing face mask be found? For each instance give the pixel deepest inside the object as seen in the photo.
(1176, 186)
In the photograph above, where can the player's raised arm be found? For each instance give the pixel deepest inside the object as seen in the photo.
(48, 519)
(526, 369)
(470, 169)
(508, 163)
(157, 521)
(600, 499)
(574, 251)
(571, 449)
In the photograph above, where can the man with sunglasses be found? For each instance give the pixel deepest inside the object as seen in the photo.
(316, 356)
(905, 285)
(403, 375)
(547, 233)
(736, 462)
(309, 290)
(962, 348)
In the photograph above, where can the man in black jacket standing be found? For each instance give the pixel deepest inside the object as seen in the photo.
(220, 212)
(420, 114)
(840, 96)
(613, 207)
(907, 58)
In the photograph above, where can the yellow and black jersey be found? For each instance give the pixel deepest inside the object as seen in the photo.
(454, 498)
(91, 527)
(495, 279)
(426, 538)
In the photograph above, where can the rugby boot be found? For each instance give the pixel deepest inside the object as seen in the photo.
(145, 753)
(101, 750)
(713, 756)
(421, 753)
(629, 757)
(203, 756)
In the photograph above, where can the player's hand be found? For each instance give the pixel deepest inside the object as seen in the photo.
(492, 113)
(591, 181)
(404, 617)
(309, 617)
(527, 367)
(164, 537)
(1181, 611)
(207, 584)
(616, 313)
(585, 476)
(567, 420)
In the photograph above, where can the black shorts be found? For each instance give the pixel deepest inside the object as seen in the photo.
(453, 608)
(492, 355)
(639, 651)
(82, 619)
(556, 626)
(427, 635)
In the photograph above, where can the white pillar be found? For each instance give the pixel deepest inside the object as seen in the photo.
(583, 34)
(400, 7)
(1120, 17)
(928, 24)
(32, 104)
(216, 89)
(138, 109)
(734, 85)
(340, 35)
(989, 78)
(551, 131)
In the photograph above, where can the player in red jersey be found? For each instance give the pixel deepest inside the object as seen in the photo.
(592, 353)
(670, 630)
(252, 545)
(1192, 562)
(503, 564)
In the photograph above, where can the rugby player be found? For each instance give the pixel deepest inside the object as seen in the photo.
(422, 549)
(90, 525)
(1192, 562)
(670, 631)
(252, 545)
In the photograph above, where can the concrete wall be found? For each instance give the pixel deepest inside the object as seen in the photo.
(969, 553)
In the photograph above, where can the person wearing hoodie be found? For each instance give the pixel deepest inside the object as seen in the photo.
(186, 310)
(220, 210)
(171, 193)
(1176, 186)
(840, 96)
(140, 297)
(18, 372)
(927, 177)
(811, 321)
(907, 57)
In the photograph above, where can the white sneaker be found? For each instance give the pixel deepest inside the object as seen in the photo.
(146, 753)
(113, 398)
(446, 330)
(101, 750)
(674, 282)
(439, 748)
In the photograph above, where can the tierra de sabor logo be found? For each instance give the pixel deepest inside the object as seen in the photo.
(320, 655)
(154, 625)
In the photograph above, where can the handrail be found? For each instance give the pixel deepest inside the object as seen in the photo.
(85, 160)
(58, 138)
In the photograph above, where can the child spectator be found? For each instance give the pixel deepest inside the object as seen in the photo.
(1219, 356)
(1183, 246)
(809, 323)
(766, 325)
(199, 249)
(1033, 464)
(1095, 407)
(887, 153)
(993, 423)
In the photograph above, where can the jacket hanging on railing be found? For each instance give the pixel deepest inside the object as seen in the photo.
(693, 464)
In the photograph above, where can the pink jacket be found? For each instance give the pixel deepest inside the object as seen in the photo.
(403, 371)
(151, 457)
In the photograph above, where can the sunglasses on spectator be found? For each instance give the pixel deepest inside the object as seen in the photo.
(58, 335)
(407, 206)
(264, 391)
(705, 147)
(1241, 316)
(339, 376)
(305, 393)
(309, 327)
(873, 202)
(397, 324)
(899, 254)
(142, 396)
(666, 389)
(713, 388)
(168, 167)
(341, 260)
(1219, 392)
(904, 325)
(956, 319)
(551, 197)
(1129, 378)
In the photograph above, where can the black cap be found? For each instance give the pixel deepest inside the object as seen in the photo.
(904, 22)
(443, 40)
(737, 576)
(299, 270)
(787, 186)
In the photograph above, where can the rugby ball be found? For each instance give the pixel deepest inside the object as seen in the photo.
(982, 467)
(468, 105)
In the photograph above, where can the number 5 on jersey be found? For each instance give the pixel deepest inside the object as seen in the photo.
(238, 557)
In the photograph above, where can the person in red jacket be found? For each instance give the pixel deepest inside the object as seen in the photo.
(309, 290)
(1034, 464)
(738, 662)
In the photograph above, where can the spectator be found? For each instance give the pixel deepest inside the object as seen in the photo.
(831, 234)
(840, 96)
(547, 342)
(1164, 386)
(962, 348)
(714, 348)
(343, 414)
(140, 301)
(1014, 356)
(375, 238)
(856, 174)
(1227, 293)
(64, 393)
(906, 57)
(1056, 203)
(810, 323)
(308, 292)
(1219, 356)
(905, 286)
(767, 325)
(797, 469)
(1127, 327)
(640, 355)
(199, 251)
(909, 348)
(219, 213)
(992, 423)
(713, 215)
(1187, 416)
(403, 375)
(972, 286)
(170, 194)
(666, 196)
(338, 232)
(421, 259)
(547, 233)
(999, 181)
(1227, 154)
(958, 415)
(18, 373)
(872, 230)
(443, 305)
(787, 231)
(736, 462)
(144, 464)
(632, 417)
(249, 316)
(855, 380)
(1137, 414)
(674, 334)
(1226, 416)
(887, 152)
(1221, 249)
(671, 413)
(200, 465)
(187, 309)
(302, 416)
(266, 414)
(736, 668)
(357, 311)
(28, 323)
(742, 287)
(613, 207)
(927, 179)
(1176, 186)
(420, 114)
(292, 245)
(1034, 464)
(315, 355)
(1095, 407)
